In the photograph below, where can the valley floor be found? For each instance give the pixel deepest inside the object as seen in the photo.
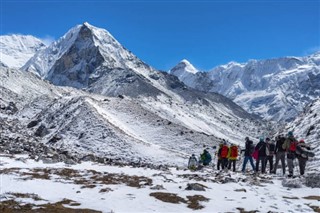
(27, 185)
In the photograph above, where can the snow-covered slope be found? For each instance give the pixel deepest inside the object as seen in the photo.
(159, 130)
(307, 126)
(130, 106)
(16, 50)
(275, 89)
(91, 187)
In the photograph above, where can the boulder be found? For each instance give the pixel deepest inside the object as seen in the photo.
(313, 180)
(196, 187)
(292, 183)
(41, 131)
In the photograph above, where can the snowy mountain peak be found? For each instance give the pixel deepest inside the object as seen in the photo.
(183, 68)
(276, 88)
(232, 64)
(16, 49)
(82, 47)
(90, 58)
(186, 65)
(98, 33)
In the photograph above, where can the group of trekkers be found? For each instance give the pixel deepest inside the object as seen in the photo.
(263, 152)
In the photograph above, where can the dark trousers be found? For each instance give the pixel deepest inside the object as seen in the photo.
(233, 162)
(261, 159)
(224, 163)
(245, 161)
(302, 164)
(219, 164)
(270, 160)
(280, 156)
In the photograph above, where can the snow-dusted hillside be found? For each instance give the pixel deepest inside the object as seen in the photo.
(307, 126)
(16, 50)
(89, 58)
(31, 186)
(276, 89)
(159, 130)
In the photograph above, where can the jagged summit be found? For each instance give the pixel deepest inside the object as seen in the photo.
(232, 64)
(77, 58)
(276, 88)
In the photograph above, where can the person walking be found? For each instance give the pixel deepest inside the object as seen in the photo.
(224, 155)
(247, 154)
(290, 145)
(280, 154)
(232, 157)
(261, 147)
(270, 149)
(219, 156)
(301, 153)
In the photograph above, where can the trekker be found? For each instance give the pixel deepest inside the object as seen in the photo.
(219, 156)
(247, 154)
(270, 153)
(232, 157)
(261, 147)
(205, 157)
(193, 162)
(302, 155)
(224, 155)
(290, 145)
(280, 154)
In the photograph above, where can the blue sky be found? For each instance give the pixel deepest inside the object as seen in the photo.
(161, 33)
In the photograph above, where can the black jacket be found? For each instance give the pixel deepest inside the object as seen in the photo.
(248, 148)
(261, 146)
(279, 143)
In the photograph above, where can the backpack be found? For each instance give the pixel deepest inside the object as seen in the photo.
(234, 152)
(224, 151)
(293, 146)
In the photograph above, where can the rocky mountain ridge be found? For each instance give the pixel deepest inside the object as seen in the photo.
(275, 89)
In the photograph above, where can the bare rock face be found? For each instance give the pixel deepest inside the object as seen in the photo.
(78, 63)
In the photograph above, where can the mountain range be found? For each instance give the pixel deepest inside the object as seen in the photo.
(276, 89)
(87, 94)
